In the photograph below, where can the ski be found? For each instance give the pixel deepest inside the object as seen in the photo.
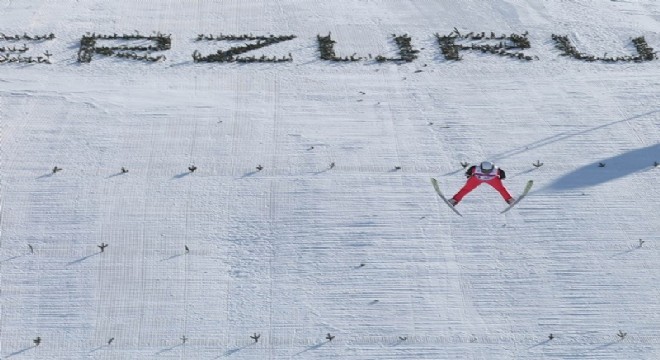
(524, 193)
(437, 190)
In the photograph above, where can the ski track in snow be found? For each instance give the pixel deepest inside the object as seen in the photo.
(302, 248)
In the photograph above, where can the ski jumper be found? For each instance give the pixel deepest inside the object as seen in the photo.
(477, 177)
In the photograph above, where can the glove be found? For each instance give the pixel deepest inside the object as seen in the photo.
(468, 173)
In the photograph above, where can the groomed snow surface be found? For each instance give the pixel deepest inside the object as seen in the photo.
(302, 248)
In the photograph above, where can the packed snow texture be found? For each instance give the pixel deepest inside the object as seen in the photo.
(340, 231)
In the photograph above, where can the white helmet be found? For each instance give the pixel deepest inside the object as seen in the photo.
(487, 166)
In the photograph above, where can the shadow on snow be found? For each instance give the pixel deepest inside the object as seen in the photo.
(615, 167)
(82, 259)
(21, 351)
(311, 348)
(234, 350)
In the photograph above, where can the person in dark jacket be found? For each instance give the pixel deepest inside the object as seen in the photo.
(487, 173)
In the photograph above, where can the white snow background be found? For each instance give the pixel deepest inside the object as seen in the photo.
(363, 251)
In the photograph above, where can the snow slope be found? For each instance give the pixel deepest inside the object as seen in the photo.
(360, 250)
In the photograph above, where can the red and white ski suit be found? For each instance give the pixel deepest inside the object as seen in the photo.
(477, 177)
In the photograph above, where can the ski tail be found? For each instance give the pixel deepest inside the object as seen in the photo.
(528, 186)
(442, 196)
